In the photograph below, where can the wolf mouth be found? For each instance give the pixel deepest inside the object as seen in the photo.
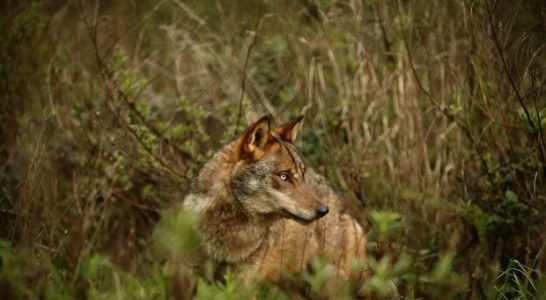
(297, 218)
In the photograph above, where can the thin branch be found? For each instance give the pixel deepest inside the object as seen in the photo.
(537, 132)
(433, 101)
(496, 43)
(111, 90)
(259, 18)
(541, 146)
(149, 126)
(107, 74)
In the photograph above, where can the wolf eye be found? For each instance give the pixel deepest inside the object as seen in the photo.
(284, 176)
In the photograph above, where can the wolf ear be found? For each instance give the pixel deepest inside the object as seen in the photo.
(256, 136)
(289, 130)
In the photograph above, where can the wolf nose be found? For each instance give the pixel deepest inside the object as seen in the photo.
(322, 210)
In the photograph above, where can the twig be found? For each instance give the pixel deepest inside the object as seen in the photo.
(186, 155)
(495, 39)
(542, 147)
(111, 90)
(245, 66)
(537, 133)
(444, 111)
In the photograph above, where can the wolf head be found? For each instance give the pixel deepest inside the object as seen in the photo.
(269, 176)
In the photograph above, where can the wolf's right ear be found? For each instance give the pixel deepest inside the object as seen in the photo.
(256, 136)
(289, 131)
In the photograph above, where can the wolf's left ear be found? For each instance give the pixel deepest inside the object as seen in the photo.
(289, 130)
(257, 135)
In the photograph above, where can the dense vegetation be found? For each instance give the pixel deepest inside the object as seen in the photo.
(429, 116)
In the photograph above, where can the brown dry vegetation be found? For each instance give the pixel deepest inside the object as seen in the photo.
(428, 116)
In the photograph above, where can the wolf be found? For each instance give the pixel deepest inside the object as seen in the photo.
(266, 215)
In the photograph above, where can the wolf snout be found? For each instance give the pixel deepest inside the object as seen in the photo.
(322, 210)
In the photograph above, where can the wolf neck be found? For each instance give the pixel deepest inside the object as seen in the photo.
(230, 233)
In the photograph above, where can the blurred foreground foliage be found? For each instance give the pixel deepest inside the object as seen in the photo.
(428, 116)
